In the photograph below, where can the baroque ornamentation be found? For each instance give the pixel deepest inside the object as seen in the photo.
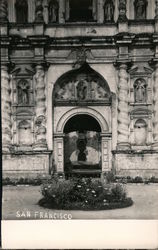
(23, 92)
(155, 91)
(39, 11)
(122, 10)
(40, 108)
(82, 89)
(140, 91)
(123, 118)
(6, 109)
(3, 10)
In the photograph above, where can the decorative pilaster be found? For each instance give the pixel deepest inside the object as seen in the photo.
(123, 117)
(155, 108)
(40, 121)
(3, 11)
(6, 109)
(39, 11)
(156, 9)
(122, 11)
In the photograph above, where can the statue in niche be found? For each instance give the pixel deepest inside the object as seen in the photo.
(66, 91)
(23, 92)
(21, 11)
(81, 146)
(140, 90)
(82, 90)
(97, 92)
(108, 10)
(53, 11)
(140, 9)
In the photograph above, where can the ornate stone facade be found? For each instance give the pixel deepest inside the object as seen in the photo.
(82, 92)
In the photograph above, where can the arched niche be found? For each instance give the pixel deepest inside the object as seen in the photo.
(140, 9)
(53, 11)
(140, 91)
(109, 11)
(24, 133)
(83, 85)
(140, 132)
(23, 92)
(21, 10)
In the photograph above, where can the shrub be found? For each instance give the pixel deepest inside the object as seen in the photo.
(83, 193)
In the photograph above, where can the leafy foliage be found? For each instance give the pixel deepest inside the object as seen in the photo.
(83, 193)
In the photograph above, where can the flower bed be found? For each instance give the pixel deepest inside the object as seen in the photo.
(83, 194)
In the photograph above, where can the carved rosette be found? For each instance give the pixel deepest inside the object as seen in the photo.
(156, 9)
(123, 118)
(3, 11)
(6, 109)
(39, 11)
(40, 109)
(122, 10)
(155, 107)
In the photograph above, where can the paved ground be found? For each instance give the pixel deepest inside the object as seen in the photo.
(21, 202)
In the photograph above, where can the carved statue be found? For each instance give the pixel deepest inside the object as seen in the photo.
(21, 11)
(122, 10)
(23, 92)
(39, 11)
(108, 10)
(140, 90)
(53, 11)
(140, 9)
(82, 90)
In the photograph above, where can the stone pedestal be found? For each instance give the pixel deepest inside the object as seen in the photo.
(6, 109)
(123, 117)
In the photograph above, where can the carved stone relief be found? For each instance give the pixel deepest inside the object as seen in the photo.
(23, 92)
(82, 88)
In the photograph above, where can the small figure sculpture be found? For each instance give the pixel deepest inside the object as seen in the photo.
(140, 91)
(140, 9)
(82, 90)
(21, 11)
(23, 92)
(108, 11)
(53, 11)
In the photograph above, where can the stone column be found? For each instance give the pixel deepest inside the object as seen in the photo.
(155, 108)
(39, 11)
(6, 109)
(40, 109)
(3, 11)
(123, 117)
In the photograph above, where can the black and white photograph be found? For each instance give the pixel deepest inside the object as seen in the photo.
(79, 109)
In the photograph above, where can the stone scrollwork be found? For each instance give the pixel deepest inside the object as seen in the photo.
(6, 109)
(123, 118)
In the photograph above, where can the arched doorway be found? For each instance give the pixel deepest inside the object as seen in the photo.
(82, 146)
(82, 120)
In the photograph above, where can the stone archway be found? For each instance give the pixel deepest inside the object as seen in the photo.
(105, 137)
(76, 93)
